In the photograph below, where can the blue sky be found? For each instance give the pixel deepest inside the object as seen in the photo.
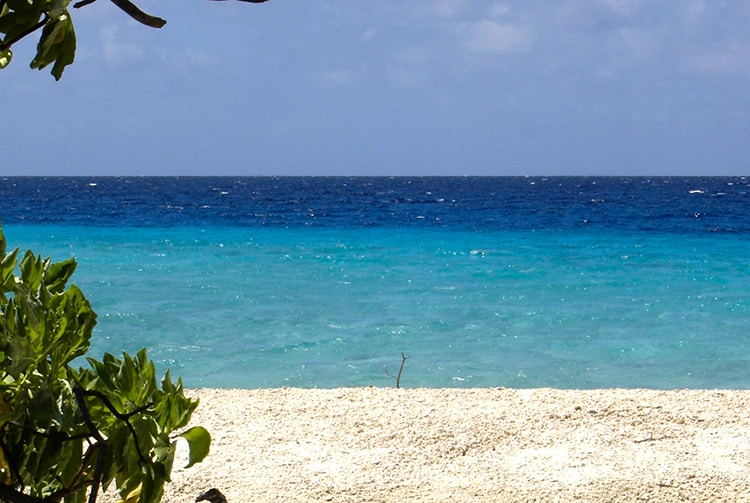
(390, 87)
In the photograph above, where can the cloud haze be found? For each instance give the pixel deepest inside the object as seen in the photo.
(388, 87)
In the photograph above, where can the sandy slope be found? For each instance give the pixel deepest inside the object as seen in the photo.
(374, 444)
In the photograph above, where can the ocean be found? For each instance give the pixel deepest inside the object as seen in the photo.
(260, 282)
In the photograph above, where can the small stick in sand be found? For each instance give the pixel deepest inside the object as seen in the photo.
(400, 370)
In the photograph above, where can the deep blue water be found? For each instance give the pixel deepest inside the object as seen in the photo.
(685, 205)
(572, 282)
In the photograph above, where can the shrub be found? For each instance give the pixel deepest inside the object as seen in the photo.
(66, 432)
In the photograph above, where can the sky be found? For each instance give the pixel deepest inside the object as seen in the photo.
(389, 87)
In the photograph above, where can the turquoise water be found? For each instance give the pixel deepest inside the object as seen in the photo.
(232, 306)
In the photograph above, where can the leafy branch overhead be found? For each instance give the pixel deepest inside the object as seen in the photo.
(57, 43)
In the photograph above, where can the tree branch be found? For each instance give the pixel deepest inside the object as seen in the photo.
(78, 484)
(131, 10)
(81, 393)
(9, 43)
(45, 434)
(140, 16)
(97, 479)
(8, 493)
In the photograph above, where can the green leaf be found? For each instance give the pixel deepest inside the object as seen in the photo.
(199, 441)
(19, 17)
(7, 266)
(5, 57)
(19, 5)
(57, 43)
(70, 460)
(3, 243)
(49, 44)
(57, 7)
(132, 496)
(31, 270)
(67, 52)
(58, 275)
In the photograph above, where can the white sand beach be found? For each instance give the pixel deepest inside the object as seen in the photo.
(383, 445)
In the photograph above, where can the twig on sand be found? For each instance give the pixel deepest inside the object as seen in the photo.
(397, 377)
(650, 438)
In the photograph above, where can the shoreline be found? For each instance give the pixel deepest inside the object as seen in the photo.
(479, 444)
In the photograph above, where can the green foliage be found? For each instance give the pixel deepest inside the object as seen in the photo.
(65, 430)
(57, 43)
